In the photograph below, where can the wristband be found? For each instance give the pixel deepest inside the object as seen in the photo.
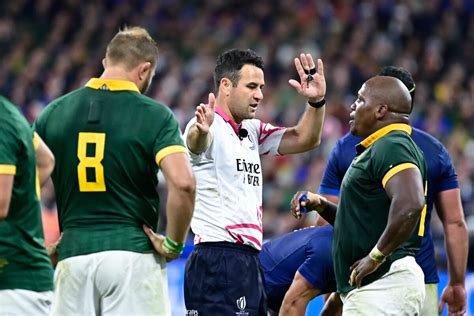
(320, 208)
(377, 255)
(318, 104)
(173, 247)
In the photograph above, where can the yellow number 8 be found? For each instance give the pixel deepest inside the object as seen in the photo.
(91, 162)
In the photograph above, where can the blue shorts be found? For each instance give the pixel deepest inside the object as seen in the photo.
(224, 278)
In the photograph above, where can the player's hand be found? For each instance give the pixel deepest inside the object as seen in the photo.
(360, 269)
(455, 296)
(205, 114)
(52, 250)
(157, 241)
(311, 202)
(312, 84)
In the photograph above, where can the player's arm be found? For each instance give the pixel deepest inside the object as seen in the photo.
(199, 137)
(334, 199)
(181, 186)
(44, 159)
(298, 296)
(306, 135)
(6, 188)
(449, 208)
(405, 190)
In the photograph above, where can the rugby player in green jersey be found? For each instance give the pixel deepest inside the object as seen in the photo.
(26, 276)
(380, 217)
(110, 141)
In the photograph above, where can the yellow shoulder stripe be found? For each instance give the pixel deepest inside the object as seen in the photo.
(35, 140)
(396, 170)
(168, 151)
(8, 169)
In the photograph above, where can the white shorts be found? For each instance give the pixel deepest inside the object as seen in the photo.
(25, 302)
(430, 305)
(112, 283)
(400, 291)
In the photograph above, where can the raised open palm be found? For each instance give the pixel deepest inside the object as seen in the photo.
(312, 84)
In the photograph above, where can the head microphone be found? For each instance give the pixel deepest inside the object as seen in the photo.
(242, 133)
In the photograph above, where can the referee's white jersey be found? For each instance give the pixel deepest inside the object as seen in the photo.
(229, 181)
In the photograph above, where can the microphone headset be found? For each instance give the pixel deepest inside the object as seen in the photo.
(242, 133)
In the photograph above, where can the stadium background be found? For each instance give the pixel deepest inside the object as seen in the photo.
(48, 48)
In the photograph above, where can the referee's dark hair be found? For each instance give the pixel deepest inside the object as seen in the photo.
(404, 76)
(230, 63)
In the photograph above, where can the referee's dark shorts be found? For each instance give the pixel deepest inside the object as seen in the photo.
(224, 278)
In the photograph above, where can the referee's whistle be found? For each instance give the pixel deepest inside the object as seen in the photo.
(303, 198)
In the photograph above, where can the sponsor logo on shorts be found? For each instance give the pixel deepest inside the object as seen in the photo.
(192, 312)
(241, 304)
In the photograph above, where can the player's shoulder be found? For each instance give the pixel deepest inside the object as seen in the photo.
(347, 143)
(427, 143)
(349, 138)
(150, 105)
(11, 116)
(7, 108)
(62, 100)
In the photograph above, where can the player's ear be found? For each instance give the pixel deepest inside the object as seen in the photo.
(382, 109)
(104, 62)
(144, 69)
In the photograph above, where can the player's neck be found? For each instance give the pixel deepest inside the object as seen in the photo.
(117, 73)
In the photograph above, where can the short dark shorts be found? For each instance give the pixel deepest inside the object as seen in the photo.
(224, 278)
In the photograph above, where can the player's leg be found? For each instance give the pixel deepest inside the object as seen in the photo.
(131, 283)
(224, 279)
(430, 305)
(74, 290)
(401, 291)
(25, 302)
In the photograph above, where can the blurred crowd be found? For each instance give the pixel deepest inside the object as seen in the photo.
(49, 47)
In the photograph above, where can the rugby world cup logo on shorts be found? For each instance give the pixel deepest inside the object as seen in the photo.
(241, 304)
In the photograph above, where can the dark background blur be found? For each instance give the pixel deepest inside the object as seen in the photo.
(48, 48)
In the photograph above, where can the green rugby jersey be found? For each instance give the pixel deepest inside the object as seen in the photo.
(363, 210)
(108, 140)
(24, 263)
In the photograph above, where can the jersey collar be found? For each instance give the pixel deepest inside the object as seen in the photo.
(372, 138)
(227, 119)
(111, 85)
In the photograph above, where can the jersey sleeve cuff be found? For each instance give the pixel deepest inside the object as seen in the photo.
(308, 277)
(8, 169)
(393, 171)
(35, 140)
(329, 191)
(173, 149)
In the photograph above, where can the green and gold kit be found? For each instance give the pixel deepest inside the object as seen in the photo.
(24, 263)
(108, 140)
(364, 205)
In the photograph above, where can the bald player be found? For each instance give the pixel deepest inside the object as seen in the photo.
(379, 222)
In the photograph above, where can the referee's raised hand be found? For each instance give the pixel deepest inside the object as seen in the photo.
(205, 114)
(312, 84)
